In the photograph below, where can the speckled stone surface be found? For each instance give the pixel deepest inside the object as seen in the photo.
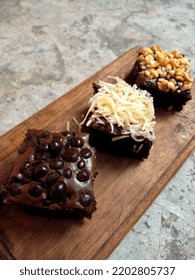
(47, 47)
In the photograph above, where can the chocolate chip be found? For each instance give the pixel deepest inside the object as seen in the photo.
(56, 164)
(45, 134)
(58, 190)
(67, 173)
(68, 134)
(85, 199)
(55, 145)
(71, 155)
(52, 178)
(43, 147)
(19, 176)
(81, 164)
(26, 169)
(35, 189)
(14, 189)
(40, 171)
(24, 165)
(77, 142)
(67, 146)
(86, 153)
(82, 176)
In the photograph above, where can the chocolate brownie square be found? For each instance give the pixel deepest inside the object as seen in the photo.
(120, 119)
(165, 75)
(54, 171)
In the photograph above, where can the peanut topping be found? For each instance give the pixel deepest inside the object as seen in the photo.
(171, 70)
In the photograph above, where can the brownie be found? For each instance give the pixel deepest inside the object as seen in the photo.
(165, 75)
(120, 119)
(54, 171)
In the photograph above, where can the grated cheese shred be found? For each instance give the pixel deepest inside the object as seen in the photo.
(123, 105)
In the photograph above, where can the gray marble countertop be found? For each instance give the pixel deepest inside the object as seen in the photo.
(47, 47)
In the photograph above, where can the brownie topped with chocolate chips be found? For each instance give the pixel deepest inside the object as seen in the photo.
(54, 171)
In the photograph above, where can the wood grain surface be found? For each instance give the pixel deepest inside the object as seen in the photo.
(124, 187)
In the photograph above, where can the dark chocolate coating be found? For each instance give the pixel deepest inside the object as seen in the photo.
(53, 171)
(126, 147)
(101, 138)
(166, 100)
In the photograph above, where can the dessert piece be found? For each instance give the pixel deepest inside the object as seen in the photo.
(54, 171)
(120, 119)
(165, 75)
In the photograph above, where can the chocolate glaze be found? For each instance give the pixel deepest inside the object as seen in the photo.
(172, 99)
(53, 171)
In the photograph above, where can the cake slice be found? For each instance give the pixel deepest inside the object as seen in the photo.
(120, 119)
(165, 75)
(54, 171)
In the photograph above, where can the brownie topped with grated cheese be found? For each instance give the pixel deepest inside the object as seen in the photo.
(120, 119)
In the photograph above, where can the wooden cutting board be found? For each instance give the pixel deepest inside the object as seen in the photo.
(124, 187)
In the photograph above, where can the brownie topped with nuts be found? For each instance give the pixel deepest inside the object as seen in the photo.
(165, 75)
(120, 119)
(54, 171)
